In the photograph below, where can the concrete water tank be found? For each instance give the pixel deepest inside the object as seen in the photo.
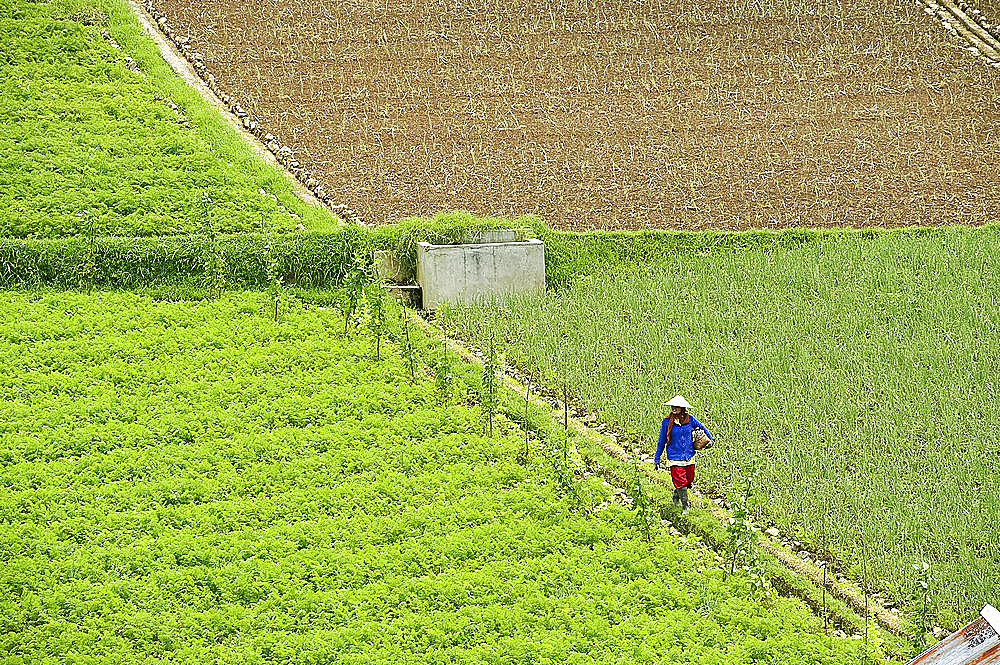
(465, 274)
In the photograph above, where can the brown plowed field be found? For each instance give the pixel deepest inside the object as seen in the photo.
(618, 113)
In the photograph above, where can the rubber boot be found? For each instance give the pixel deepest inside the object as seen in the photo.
(677, 497)
(685, 504)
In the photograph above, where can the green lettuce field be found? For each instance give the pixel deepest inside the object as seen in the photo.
(195, 482)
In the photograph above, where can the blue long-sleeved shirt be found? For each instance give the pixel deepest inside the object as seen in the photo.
(680, 448)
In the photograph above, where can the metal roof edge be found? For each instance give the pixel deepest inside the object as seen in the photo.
(992, 617)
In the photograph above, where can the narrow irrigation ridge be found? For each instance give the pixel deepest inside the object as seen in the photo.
(189, 66)
(968, 24)
(838, 586)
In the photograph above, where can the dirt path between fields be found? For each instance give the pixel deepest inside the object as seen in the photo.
(837, 585)
(184, 69)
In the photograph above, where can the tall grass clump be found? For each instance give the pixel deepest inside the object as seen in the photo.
(868, 360)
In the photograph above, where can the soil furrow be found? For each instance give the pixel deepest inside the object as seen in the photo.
(974, 38)
(972, 24)
(960, 25)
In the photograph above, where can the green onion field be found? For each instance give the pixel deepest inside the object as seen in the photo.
(853, 379)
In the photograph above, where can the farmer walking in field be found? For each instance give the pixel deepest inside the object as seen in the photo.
(680, 436)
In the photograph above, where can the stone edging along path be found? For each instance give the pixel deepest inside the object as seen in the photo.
(837, 585)
(188, 64)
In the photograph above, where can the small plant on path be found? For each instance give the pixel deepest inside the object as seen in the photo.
(406, 342)
(375, 300)
(444, 380)
(743, 548)
(920, 606)
(646, 516)
(274, 278)
(88, 267)
(488, 387)
(355, 283)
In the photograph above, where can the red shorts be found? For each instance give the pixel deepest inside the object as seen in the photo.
(683, 476)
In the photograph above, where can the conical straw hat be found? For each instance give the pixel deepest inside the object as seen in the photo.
(678, 401)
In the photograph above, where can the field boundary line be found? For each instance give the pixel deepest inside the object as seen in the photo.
(846, 591)
(187, 73)
(982, 33)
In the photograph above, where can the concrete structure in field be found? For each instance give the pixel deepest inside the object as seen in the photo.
(464, 274)
(975, 644)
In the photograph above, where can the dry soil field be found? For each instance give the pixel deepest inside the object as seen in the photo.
(619, 113)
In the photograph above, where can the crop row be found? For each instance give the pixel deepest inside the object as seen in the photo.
(232, 261)
(252, 260)
(196, 481)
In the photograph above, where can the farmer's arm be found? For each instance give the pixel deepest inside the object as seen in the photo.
(662, 441)
(695, 423)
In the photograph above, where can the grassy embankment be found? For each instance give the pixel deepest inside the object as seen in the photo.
(850, 375)
(196, 482)
(91, 147)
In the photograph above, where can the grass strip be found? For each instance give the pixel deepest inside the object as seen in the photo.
(230, 261)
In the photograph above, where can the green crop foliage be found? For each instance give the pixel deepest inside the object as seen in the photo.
(87, 144)
(194, 482)
(245, 260)
(854, 372)
(322, 258)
